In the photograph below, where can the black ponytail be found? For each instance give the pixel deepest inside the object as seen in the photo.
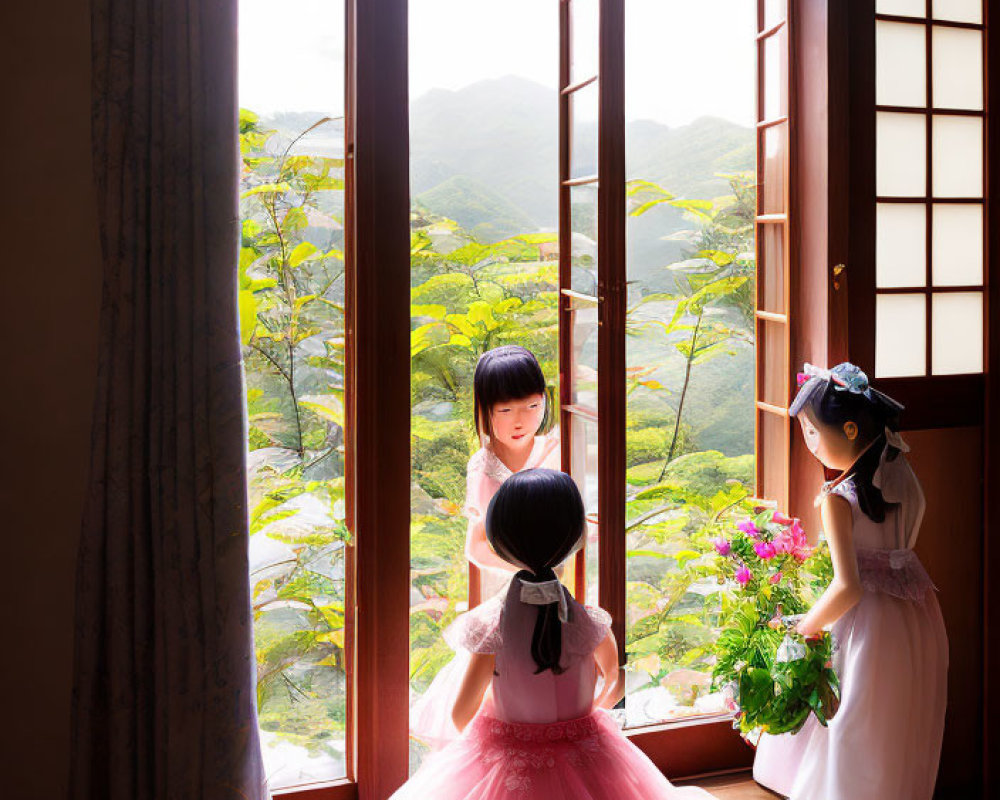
(870, 499)
(536, 519)
(546, 639)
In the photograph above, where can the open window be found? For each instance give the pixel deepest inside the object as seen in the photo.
(594, 293)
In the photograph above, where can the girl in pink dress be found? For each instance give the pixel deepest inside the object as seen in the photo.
(532, 723)
(511, 412)
(890, 646)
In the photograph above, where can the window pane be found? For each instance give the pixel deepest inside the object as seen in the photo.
(584, 469)
(957, 333)
(958, 245)
(958, 68)
(900, 155)
(958, 156)
(773, 456)
(900, 64)
(775, 75)
(902, 8)
(584, 25)
(772, 179)
(484, 272)
(774, 12)
(583, 214)
(690, 160)
(900, 245)
(771, 268)
(583, 111)
(585, 358)
(772, 351)
(291, 304)
(900, 335)
(959, 10)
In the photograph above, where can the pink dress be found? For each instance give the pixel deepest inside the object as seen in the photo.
(430, 713)
(536, 736)
(484, 475)
(891, 656)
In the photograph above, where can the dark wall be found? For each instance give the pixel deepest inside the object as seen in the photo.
(949, 463)
(48, 326)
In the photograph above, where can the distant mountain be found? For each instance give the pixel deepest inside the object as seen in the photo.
(502, 133)
(486, 156)
(476, 208)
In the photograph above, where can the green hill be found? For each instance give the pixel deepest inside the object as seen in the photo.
(476, 207)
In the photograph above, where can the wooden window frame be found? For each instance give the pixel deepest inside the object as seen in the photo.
(377, 261)
(920, 394)
(692, 747)
(991, 444)
(378, 457)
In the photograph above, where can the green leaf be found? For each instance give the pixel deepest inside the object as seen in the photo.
(267, 188)
(302, 251)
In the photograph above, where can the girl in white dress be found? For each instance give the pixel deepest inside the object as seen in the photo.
(890, 646)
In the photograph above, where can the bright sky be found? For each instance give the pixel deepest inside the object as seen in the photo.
(684, 58)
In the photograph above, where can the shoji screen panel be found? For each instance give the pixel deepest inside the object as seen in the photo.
(930, 186)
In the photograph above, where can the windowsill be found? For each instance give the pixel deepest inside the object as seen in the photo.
(680, 722)
(734, 786)
(340, 789)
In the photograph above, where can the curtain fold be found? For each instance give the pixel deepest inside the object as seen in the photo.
(163, 699)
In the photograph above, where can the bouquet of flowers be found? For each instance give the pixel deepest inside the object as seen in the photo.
(771, 676)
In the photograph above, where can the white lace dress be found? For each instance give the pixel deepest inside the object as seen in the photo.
(891, 656)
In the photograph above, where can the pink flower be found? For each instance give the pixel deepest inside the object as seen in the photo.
(780, 518)
(747, 526)
(764, 550)
(743, 576)
(783, 543)
(722, 545)
(775, 579)
(796, 530)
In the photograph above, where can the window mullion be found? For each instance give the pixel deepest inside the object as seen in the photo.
(611, 333)
(379, 317)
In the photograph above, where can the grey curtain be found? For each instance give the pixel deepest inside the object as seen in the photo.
(164, 676)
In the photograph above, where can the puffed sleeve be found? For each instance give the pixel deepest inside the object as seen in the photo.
(478, 630)
(586, 629)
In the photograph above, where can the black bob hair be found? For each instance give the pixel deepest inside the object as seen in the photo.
(831, 405)
(536, 520)
(507, 373)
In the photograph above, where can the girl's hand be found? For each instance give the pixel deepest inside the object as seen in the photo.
(808, 633)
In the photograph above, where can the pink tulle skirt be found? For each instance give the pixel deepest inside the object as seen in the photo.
(580, 759)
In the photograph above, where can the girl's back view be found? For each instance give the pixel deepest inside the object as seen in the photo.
(538, 731)
(890, 644)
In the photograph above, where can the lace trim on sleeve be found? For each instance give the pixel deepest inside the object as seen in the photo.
(478, 630)
(582, 635)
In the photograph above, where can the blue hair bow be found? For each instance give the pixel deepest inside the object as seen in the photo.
(845, 377)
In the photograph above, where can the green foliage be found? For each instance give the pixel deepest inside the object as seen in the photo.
(470, 291)
(291, 303)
